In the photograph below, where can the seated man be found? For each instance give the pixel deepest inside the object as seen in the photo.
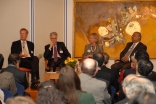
(141, 54)
(13, 65)
(25, 49)
(55, 52)
(130, 49)
(7, 80)
(92, 85)
(143, 67)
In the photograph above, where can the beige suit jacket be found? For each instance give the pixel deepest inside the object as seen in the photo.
(87, 50)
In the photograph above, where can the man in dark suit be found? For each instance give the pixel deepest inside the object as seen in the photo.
(20, 76)
(141, 54)
(25, 49)
(55, 52)
(143, 68)
(130, 49)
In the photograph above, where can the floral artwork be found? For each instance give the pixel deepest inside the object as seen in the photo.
(115, 23)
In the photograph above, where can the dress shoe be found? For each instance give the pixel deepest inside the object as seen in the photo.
(34, 80)
(34, 86)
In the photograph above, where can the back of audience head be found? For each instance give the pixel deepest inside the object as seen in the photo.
(13, 59)
(127, 79)
(69, 83)
(141, 54)
(106, 58)
(1, 61)
(145, 67)
(143, 98)
(136, 85)
(89, 66)
(20, 100)
(99, 58)
(49, 94)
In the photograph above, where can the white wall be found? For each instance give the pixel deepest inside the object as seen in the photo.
(49, 17)
(14, 15)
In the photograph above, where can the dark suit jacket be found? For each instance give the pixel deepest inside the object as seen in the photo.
(109, 75)
(151, 76)
(20, 76)
(17, 47)
(104, 73)
(60, 47)
(140, 46)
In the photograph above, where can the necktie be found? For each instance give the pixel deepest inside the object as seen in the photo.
(55, 54)
(24, 49)
(130, 50)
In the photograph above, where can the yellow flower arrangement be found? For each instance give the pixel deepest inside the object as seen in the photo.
(71, 62)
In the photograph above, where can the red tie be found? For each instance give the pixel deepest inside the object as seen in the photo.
(55, 54)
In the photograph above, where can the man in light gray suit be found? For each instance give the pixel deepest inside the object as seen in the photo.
(92, 85)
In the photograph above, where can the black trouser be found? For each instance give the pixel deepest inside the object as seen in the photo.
(34, 61)
(59, 63)
(116, 67)
(121, 65)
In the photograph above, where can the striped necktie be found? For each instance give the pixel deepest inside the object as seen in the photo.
(130, 50)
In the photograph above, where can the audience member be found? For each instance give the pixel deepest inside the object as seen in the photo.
(49, 94)
(141, 54)
(70, 85)
(143, 98)
(101, 74)
(93, 47)
(7, 80)
(130, 49)
(55, 52)
(103, 71)
(136, 85)
(25, 49)
(92, 85)
(124, 84)
(13, 65)
(143, 68)
(20, 100)
(1, 97)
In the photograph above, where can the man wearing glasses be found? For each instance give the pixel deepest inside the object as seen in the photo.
(56, 53)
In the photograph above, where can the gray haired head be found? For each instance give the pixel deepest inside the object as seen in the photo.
(139, 84)
(53, 33)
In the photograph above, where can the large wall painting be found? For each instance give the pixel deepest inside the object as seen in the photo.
(115, 22)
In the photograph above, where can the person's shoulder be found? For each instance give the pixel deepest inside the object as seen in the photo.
(7, 74)
(100, 45)
(104, 68)
(87, 45)
(29, 42)
(130, 43)
(86, 95)
(47, 45)
(17, 41)
(142, 43)
(86, 98)
(100, 82)
(60, 42)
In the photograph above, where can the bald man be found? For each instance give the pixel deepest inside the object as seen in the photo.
(92, 85)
